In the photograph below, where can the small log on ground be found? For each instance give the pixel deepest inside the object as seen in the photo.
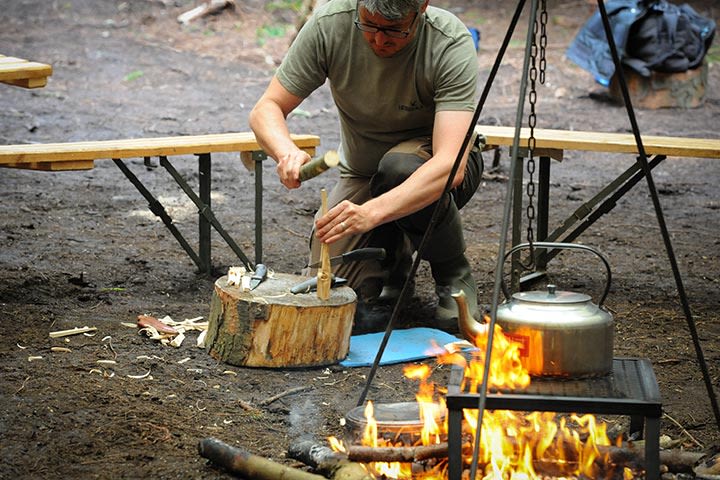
(271, 327)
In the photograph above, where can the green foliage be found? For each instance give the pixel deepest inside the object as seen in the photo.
(134, 75)
(269, 31)
(293, 5)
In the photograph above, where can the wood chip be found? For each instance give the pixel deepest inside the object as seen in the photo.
(60, 349)
(33, 358)
(72, 331)
(177, 341)
(106, 362)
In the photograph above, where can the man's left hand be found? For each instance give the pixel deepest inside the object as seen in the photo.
(344, 219)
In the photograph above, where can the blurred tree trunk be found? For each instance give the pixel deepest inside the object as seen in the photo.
(306, 10)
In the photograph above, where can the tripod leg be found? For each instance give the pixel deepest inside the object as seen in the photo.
(658, 212)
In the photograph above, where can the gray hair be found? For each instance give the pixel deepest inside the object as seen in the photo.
(392, 9)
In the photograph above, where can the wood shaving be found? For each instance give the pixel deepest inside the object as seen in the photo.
(177, 341)
(33, 358)
(72, 331)
(138, 377)
(21, 347)
(60, 349)
(106, 362)
(229, 372)
(184, 360)
(201, 339)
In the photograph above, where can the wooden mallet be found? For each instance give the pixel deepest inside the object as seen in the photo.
(318, 165)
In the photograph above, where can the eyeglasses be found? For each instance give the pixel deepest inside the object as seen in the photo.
(390, 32)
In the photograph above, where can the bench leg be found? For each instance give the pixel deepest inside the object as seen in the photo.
(157, 208)
(205, 185)
(543, 207)
(205, 212)
(608, 196)
(258, 157)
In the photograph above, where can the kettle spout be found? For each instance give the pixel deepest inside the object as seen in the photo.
(468, 326)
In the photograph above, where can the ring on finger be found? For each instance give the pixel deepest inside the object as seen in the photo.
(343, 226)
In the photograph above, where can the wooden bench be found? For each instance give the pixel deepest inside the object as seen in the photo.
(82, 156)
(23, 73)
(551, 144)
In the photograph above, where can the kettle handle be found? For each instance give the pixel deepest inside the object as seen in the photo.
(558, 246)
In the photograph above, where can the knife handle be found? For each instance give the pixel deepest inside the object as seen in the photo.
(260, 272)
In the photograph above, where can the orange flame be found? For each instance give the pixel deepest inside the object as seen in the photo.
(513, 445)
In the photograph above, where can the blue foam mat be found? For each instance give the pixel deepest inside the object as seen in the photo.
(404, 346)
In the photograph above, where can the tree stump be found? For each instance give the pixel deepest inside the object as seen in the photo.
(663, 90)
(272, 327)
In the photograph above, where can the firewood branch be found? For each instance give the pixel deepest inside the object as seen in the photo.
(397, 454)
(269, 400)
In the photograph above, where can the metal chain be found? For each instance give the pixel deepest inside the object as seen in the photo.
(532, 122)
(543, 39)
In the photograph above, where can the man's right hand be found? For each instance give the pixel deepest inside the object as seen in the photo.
(288, 167)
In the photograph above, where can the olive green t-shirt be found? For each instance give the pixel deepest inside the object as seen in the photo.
(382, 101)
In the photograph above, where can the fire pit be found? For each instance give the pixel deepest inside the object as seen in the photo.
(631, 389)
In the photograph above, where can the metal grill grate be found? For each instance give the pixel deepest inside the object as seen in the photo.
(630, 389)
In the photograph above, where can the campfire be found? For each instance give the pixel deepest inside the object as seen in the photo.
(513, 445)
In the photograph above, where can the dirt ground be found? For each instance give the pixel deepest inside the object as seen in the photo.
(82, 248)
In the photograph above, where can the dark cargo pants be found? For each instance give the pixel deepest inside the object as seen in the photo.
(402, 237)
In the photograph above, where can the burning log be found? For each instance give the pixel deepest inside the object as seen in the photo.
(677, 461)
(322, 459)
(236, 460)
(398, 454)
(709, 466)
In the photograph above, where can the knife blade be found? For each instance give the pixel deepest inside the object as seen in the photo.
(310, 284)
(369, 253)
(258, 276)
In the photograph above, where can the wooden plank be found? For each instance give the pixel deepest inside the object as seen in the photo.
(141, 147)
(21, 70)
(54, 166)
(4, 59)
(23, 73)
(27, 82)
(604, 142)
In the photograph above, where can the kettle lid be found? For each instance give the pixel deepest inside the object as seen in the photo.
(552, 296)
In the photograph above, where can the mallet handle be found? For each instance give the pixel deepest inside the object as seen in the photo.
(318, 165)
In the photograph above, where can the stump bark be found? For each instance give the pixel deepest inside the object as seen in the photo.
(272, 327)
(663, 90)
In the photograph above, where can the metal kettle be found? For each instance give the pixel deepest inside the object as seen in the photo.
(560, 333)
